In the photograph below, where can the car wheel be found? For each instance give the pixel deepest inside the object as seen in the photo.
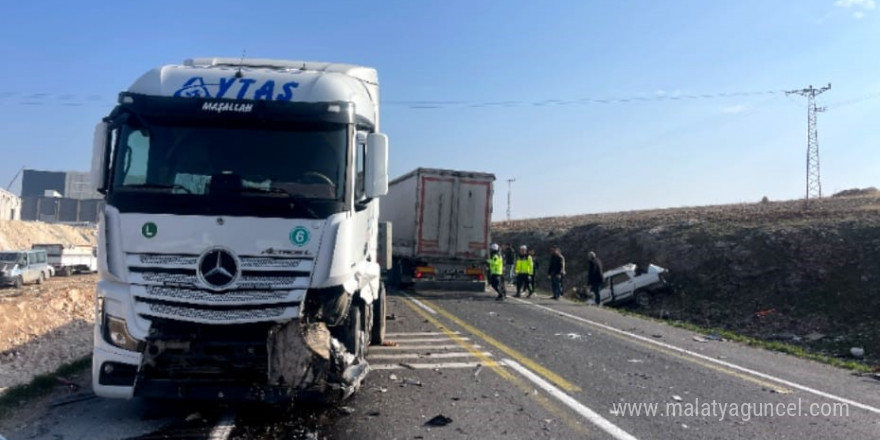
(642, 298)
(41, 278)
(377, 336)
(17, 283)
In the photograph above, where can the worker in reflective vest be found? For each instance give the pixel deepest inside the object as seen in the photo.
(524, 269)
(496, 272)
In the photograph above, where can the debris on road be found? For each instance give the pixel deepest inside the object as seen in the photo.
(391, 317)
(477, 371)
(193, 417)
(636, 361)
(699, 339)
(438, 420)
(656, 335)
(393, 377)
(346, 410)
(676, 398)
(389, 344)
(408, 381)
(406, 365)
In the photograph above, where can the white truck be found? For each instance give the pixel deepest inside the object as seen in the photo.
(237, 248)
(67, 260)
(441, 230)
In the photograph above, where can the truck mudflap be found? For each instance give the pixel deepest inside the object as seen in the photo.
(315, 366)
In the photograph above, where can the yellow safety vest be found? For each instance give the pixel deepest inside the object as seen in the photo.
(496, 265)
(524, 266)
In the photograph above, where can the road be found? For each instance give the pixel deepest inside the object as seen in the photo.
(528, 368)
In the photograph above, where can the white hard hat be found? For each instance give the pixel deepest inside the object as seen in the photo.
(523, 248)
(494, 246)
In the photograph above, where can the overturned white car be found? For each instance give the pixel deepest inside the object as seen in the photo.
(632, 283)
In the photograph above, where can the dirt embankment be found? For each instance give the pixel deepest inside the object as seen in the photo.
(22, 235)
(44, 326)
(768, 270)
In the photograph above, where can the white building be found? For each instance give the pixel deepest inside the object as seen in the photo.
(10, 206)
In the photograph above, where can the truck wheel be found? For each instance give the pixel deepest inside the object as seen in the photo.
(67, 271)
(377, 336)
(17, 283)
(353, 337)
(642, 298)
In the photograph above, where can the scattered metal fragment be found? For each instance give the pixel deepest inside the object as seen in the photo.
(439, 420)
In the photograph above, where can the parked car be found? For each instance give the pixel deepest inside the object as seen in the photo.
(19, 267)
(630, 283)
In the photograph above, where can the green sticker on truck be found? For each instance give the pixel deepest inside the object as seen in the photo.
(149, 230)
(299, 236)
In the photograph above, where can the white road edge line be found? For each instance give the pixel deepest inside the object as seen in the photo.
(420, 304)
(425, 356)
(426, 340)
(710, 359)
(425, 366)
(593, 417)
(384, 348)
(224, 427)
(407, 334)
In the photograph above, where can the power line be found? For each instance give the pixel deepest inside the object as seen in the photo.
(814, 184)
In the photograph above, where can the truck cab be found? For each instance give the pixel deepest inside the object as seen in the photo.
(237, 248)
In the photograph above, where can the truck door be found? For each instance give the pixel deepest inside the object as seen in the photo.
(472, 231)
(435, 215)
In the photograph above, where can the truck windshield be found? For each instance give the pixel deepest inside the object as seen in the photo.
(9, 257)
(198, 160)
(265, 167)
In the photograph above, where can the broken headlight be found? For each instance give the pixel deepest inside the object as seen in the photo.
(116, 334)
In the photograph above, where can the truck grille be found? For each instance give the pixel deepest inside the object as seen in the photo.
(169, 286)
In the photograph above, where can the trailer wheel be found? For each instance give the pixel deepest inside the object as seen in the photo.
(642, 298)
(377, 336)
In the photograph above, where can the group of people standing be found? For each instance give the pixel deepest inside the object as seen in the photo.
(520, 268)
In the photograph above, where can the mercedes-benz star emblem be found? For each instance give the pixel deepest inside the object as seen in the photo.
(218, 268)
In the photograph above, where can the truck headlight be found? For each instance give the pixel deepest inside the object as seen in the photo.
(116, 334)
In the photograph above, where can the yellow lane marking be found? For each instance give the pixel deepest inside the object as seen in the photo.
(517, 356)
(542, 400)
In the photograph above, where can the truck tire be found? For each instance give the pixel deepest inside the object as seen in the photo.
(17, 283)
(377, 336)
(642, 298)
(353, 337)
(67, 271)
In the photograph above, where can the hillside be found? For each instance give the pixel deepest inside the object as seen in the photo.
(769, 270)
(21, 235)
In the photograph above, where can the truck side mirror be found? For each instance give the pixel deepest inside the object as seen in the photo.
(376, 169)
(99, 154)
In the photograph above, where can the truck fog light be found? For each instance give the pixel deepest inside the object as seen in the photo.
(116, 334)
(108, 368)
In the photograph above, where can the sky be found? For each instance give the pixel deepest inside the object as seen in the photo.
(540, 92)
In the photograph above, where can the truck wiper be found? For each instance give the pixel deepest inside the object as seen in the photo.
(298, 201)
(157, 186)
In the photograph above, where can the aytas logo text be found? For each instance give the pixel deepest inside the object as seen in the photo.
(221, 107)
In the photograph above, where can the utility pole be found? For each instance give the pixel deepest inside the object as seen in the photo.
(509, 184)
(814, 185)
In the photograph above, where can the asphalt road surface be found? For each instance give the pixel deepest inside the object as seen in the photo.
(467, 366)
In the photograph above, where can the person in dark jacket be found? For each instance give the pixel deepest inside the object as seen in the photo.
(556, 271)
(595, 275)
(509, 259)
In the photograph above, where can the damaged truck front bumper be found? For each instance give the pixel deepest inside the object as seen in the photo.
(266, 362)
